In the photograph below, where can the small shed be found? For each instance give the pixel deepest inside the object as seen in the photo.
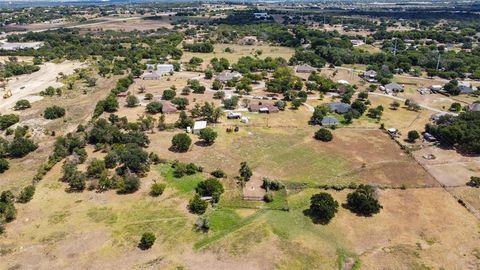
(393, 87)
(199, 125)
(151, 76)
(234, 115)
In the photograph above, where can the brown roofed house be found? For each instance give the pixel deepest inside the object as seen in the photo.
(168, 107)
(263, 108)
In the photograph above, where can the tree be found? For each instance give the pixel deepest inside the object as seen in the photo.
(363, 95)
(54, 112)
(111, 160)
(363, 201)
(26, 194)
(4, 166)
(22, 104)
(218, 173)
(77, 183)
(394, 105)
(181, 142)
(323, 134)
(413, 136)
(157, 189)
(208, 74)
(180, 102)
(147, 240)
(8, 120)
(474, 182)
(322, 208)
(169, 94)
(210, 187)
(217, 85)
(452, 88)
(21, 146)
(296, 103)
(132, 101)
(148, 96)
(96, 168)
(197, 205)
(129, 184)
(110, 104)
(245, 171)
(134, 158)
(208, 135)
(154, 107)
(184, 121)
(455, 107)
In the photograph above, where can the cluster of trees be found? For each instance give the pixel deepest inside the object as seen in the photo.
(54, 112)
(14, 68)
(108, 48)
(8, 212)
(17, 147)
(7, 120)
(462, 131)
(212, 188)
(362, 201)
(199, 47)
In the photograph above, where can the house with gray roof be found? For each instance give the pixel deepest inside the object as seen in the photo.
(228, 75)
(339, 107)
(393, 88)
(465, 89)
(370, 74)
(474, 107)
(329, 121)
(305, 69)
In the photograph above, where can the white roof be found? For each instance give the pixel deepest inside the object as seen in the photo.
(199, 125)
(343, 82)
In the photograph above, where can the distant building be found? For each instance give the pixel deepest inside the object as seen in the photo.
(305, 69)
(248, 40)
(151, 76)
(357, 42)
(233, 115)
(263, 108)
(165, 68)
(339, 107)
(261, 15)
(344, 82)
(228, 75)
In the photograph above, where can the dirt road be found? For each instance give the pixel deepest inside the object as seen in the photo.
(29, 85)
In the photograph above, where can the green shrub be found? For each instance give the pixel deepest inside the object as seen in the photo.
(4, 165)
(322, 208)
(323, 134)
(197, 205)
(157, 189)
(129, 184)
(54, 112)
(181, 142)
(363, 202)
(26, 194)
(147, 240)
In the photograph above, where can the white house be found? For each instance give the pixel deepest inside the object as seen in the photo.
(164, 68)
(199, 125)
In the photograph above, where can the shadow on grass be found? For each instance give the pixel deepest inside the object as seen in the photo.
(316, 219)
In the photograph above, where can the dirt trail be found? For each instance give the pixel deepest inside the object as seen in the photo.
(28, 86)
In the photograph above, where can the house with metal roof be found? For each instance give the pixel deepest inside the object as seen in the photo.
(329, 121)
(305, 69)
(339, 107)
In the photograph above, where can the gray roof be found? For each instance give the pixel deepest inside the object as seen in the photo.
(393, 87)
(474, 107)
(227, 75)
(305, 68)
(330, 121)
(370, 73)
(339, 107)
(465, 89)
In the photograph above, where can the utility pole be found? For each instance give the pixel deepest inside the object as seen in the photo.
(438, 60)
